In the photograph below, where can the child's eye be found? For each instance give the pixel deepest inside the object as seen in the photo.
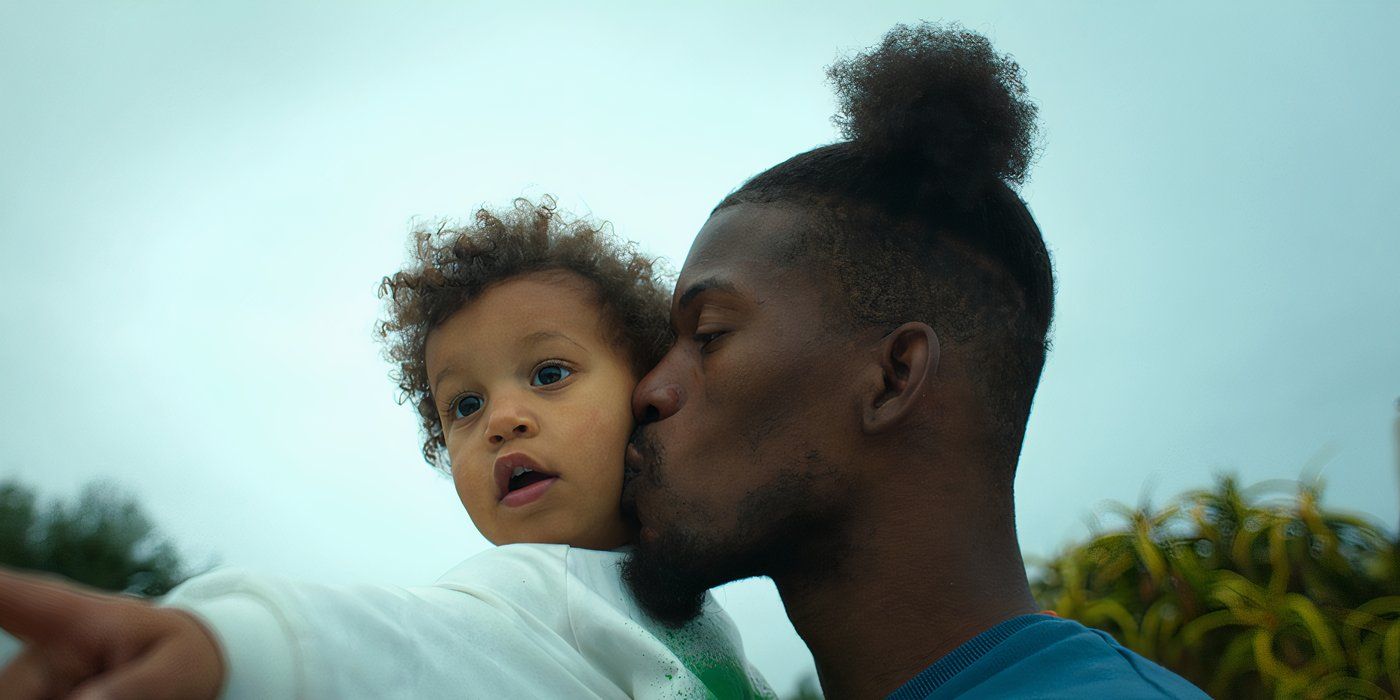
(465, 406)
(550, 374)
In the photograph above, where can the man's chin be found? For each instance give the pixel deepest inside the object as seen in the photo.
(662, 582)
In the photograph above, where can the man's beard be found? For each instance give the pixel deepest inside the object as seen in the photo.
(656, 571)
(664, 581)
(670, 573)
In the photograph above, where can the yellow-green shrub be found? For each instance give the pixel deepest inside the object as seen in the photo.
(1256, 592)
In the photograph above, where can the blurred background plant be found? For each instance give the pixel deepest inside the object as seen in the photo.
(102, 539)
(1248, 592)
(807, 689)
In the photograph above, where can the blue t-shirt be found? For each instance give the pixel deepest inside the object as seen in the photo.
(1042, 656)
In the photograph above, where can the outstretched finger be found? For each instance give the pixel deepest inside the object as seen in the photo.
(25, 677)
(166, 671)
(34, 608)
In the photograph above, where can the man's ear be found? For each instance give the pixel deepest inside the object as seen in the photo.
(908, 363)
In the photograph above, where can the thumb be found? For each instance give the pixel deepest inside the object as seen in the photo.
(170, 670)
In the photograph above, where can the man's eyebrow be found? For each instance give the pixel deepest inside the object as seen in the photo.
(705, 285)
(541, 336)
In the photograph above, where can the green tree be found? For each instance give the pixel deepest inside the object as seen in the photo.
(17, 513)
(103, 539)
(807, 689)
(1247, 592)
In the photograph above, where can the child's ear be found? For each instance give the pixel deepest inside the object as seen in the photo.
(907, 363)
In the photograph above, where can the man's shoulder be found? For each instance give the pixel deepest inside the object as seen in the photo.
(1071, 660)
(1047, 657)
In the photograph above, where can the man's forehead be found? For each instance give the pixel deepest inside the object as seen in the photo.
(739, 240)
(748, 251)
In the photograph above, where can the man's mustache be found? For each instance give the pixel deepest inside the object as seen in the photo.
(643, 457)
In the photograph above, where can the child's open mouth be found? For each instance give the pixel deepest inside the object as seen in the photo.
(521, 480)
(529, 492)
(524, 478)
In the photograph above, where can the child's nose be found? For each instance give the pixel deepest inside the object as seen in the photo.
(509, 424)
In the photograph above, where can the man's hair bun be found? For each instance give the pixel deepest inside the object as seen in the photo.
(940, 101)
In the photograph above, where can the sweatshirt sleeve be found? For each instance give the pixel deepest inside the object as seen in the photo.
(495, 627)
(256, 643)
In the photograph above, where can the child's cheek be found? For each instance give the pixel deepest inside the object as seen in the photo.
(600, 433)
(586, 424)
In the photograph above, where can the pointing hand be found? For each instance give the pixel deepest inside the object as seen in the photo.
(84, 644)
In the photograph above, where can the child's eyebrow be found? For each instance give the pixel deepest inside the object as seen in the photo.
(531, 339)
(541, 336)
(437, 380)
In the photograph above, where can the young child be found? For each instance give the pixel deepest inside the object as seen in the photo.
(519, 339)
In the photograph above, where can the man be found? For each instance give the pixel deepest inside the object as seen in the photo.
(860, 331)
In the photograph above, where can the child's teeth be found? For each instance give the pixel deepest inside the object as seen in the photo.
(518, 471)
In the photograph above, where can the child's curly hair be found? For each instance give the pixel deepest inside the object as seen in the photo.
(450, 266)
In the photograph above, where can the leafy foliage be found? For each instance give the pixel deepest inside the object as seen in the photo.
(1247, 592)
(102, 539)
(807, 689)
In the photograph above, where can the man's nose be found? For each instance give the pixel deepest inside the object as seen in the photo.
(656, 399)
(508, 423)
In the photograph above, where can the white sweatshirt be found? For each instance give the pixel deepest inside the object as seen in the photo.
(519, 621)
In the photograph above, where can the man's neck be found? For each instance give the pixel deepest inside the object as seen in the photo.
(923, 576)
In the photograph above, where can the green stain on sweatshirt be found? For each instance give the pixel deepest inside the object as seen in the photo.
(713, 658)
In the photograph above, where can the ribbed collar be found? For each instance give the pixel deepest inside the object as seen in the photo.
(942, 670)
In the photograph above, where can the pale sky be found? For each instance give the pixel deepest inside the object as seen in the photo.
(197, 202)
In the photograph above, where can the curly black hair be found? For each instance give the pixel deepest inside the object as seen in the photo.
(914, 216)
(450, 266)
